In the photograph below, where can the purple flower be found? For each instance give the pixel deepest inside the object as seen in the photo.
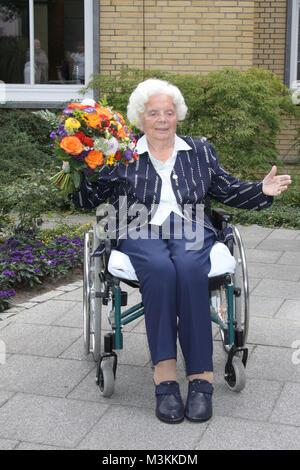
(51, 252)
(8, 273)
(71, 252)
(7, 293)
(52, 135)
(128, 155)
(37, 270)
(89, 110)
(68, 112)
(53, 262)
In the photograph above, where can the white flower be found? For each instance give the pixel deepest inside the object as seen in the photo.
(88, 102)
(113, 145)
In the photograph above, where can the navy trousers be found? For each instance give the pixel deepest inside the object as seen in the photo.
(174, 287)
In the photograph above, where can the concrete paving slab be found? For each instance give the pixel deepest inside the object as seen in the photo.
(274, 271)
(4, 395)
(264, 306)
(291, 258)
(255, 402)
(262, 256)
(8, 444)
(47, 313)
(40, 340)
(287, 410)
(138, 428)
(245, 434)
(273, 331)
(290, 310)
(48, 420)
(42, 375)
(273, 363)
(31, 446)
(75, 295)
(252, 235)
(278, 288)
(286, 245)
(283, 234)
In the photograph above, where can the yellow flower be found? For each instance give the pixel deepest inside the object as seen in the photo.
(71, 125)
(110, 160)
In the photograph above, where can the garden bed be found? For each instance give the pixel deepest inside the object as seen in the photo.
(39, 261)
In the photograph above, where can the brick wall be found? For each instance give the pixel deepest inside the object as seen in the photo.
(180, 35)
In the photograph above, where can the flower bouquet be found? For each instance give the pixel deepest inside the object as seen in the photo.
(87, 136)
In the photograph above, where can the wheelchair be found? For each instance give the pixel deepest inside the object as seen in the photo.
(102, 294)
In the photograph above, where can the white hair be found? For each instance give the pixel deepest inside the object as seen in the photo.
(153, 86)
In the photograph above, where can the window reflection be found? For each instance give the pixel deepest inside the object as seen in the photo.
(58, 42)
(59, 25)
(14, 40)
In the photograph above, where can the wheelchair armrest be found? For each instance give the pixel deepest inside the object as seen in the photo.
(220, 217)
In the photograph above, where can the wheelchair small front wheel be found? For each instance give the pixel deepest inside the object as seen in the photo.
(106, 379)
(235, 376)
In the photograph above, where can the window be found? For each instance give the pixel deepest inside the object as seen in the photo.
(293, 45)
(46, 49)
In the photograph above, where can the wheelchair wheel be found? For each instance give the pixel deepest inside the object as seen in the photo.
(106, 379)
(236, 375)
(241, 281)
(241, 297)
(92, 305)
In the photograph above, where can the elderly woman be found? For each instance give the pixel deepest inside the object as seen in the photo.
(173, 172)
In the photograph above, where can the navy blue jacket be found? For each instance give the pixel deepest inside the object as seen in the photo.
(196, 175)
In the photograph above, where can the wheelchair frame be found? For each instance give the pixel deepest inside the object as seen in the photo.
(229, 298)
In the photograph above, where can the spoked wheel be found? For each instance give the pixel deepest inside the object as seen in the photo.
(92, 305)
(240, 278)
(241, 296)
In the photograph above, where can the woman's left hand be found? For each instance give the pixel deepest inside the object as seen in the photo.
(274, 185)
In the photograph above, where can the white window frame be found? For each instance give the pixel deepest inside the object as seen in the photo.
(37, 94)
(294, 34)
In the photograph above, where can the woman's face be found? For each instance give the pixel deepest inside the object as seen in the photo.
(159, 119)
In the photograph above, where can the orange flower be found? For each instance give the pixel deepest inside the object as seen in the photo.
(120, 116)
(94, 159)
(71, 145)
(101, 110)
(75, 105)
(121, 134)
(92, 120)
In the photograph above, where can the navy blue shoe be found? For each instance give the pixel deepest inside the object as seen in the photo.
(199, 401)
(169, 404)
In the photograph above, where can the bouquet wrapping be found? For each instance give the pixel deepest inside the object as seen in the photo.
(87, 136)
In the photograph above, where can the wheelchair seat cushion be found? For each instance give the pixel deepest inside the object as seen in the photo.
(222, 262)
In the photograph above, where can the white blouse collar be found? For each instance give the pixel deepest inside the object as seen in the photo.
(179, 144)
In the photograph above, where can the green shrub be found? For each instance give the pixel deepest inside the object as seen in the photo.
(23, 202)
(25, 145)
(241, 113)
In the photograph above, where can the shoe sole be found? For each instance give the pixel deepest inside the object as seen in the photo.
(198, 420)
(170, 421)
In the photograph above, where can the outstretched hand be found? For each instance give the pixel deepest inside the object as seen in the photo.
(274, 185)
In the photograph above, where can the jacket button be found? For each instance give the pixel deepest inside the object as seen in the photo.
(175, 177)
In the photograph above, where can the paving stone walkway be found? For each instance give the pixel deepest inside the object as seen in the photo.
(49, 398)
